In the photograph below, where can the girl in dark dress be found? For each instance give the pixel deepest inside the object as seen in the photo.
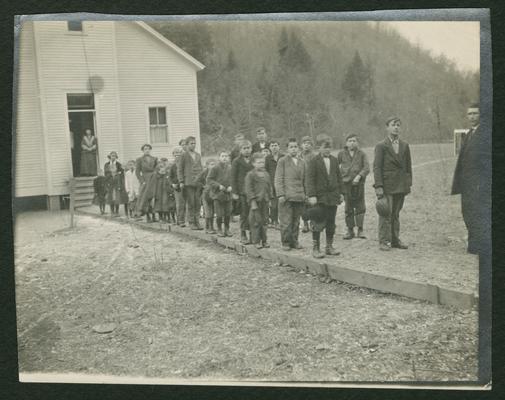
(116, 193)
(164, 198)
(145, 170)
(88, 154)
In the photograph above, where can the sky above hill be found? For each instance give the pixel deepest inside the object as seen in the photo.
(459, 41)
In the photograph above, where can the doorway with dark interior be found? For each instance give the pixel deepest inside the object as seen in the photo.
(81, 117)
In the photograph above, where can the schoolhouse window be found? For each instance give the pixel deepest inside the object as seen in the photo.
(158, 126)
(80, 101)
(74, 26)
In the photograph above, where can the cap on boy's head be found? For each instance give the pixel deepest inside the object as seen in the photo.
(307, 139)
(111, 153)
(260, 130)
(146, 145)
(392, 119)
(351, 135)
(474, 105)
(324, 141)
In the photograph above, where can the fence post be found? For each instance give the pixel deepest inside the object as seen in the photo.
(71, 206)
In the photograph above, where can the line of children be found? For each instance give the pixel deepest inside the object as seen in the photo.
(302, 184)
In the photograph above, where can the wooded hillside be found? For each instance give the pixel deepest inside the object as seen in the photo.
(310, 78)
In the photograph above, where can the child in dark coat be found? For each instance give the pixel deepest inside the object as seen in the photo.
(164, 199)
(259, 192)
(100, 186)
(208, 203)
(239, 168)
(219, 180)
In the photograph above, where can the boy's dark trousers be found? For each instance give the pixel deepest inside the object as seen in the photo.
(330, 213)
(274, 211)
(223, 213)
(192, 196)
(389, 228)
(180, 204)
(244, 213)
(289, 215)
(258, 221)
(355, 208)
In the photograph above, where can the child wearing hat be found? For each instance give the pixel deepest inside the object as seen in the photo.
(354, 168)
(145, 167)
(258, 189)
(164, 199)
(219, 180)
(116, 193)
(324, 189)
(307, 153)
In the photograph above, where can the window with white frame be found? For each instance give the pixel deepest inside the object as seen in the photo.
(158, 127)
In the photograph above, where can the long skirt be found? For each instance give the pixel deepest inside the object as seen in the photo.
(164, 199)
(147, 192)
(88, 163)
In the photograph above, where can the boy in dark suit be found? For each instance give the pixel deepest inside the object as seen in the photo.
(392, 170)
(271, 166)
(354, 168)
(324, 190)
(189, 167)
(219, 179)
(180, 202)
(262, 141)
(307, 153)
(258, 188)
(239, 169)
(467, 178)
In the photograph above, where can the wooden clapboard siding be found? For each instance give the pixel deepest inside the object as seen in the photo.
(150, 73)
(30, 171)
(66, 61)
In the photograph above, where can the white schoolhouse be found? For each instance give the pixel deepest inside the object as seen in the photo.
(122, 80)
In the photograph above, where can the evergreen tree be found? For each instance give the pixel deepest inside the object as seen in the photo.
(357, 85)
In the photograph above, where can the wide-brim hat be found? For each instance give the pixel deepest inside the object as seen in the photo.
(146, 145)
(382, 207)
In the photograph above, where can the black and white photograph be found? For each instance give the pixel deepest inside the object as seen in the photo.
(254, 199)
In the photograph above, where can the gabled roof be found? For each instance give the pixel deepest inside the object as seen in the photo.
(193, 61)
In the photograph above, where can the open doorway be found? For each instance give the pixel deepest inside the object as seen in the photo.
(81, 117)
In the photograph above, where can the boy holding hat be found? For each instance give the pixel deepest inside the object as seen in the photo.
(307, 153)
(324, 190)
(392, 170)
(354, 168)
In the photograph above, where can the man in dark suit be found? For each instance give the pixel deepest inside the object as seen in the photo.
(466, 180)
(392, 170)
(324, 191)
(271, 166)
(262, 141)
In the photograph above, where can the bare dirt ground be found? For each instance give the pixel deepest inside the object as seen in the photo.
(187, 309)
